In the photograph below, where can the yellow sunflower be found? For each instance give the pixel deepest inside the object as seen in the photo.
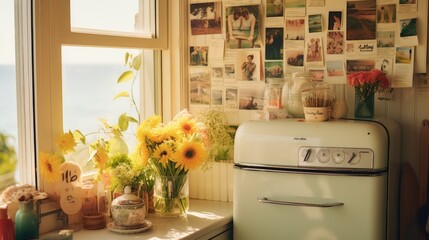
(142, 152)
(66, 142)
(49, 164)
(190, 155)
(163, 153)
(187, 125)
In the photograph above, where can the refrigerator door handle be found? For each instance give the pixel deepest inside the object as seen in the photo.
(302, 202)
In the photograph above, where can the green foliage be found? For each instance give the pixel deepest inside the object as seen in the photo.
(125, 172)
(7, 155)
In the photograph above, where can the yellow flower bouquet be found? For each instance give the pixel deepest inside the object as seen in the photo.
(171, 150)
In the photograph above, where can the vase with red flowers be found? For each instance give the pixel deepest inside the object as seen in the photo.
(366, 83)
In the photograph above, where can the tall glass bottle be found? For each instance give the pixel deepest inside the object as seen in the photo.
(26, 221)
(339, 106)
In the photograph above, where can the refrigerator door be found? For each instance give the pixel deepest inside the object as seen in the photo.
(305, 206)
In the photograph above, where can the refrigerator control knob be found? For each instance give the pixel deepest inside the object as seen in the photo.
(323, 156)
(354, 158)
(338, 156)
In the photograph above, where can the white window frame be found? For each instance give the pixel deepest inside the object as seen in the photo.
(52, 31)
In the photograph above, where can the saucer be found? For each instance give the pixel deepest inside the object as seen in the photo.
(119, 229)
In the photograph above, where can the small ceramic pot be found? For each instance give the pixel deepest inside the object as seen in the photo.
(128, 210)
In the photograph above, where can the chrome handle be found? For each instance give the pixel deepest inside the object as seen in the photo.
(304, 202)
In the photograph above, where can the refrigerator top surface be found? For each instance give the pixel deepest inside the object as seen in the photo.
(336, 144)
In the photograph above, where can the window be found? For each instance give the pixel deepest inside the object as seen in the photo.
(79, 57)
(8, 104)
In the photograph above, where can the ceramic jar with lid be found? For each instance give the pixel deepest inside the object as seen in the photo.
(128, 210)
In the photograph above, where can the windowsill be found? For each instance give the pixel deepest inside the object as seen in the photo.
(204, 220)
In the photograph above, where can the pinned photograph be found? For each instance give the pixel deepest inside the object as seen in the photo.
(217, 72)
(200, 85)
(274, 8)
(335, 43)
(295, 7)
(217, 96)
(315, 23)
(274, 43)
(361, 20)
(404, 55)
(317, 75)
(350, 48)
(274, 69)
(248, 63)
(359, 65)
(243, 25)
(408, 27)
(251, 98)
(294, 29)
(335, 20)
(231, 98)
(295, 57)
(229, 70)
(206, 18)
(335, 68)
(386, 13)
(314, 53)
(199, 55)
(386, 39)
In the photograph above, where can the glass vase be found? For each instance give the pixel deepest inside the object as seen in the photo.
(26, 221)
(339, 106)
(171, 195)
(364, 105)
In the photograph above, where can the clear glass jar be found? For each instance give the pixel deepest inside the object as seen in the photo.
(300, 81)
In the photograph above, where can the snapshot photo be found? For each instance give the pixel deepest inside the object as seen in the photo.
(251, 98)
(408, 27)
(295, 57)
(359, 65)
(294, 29)
(274, 43)
(315, 23)
(273, 69)
(314, 50)
(404, 54)
(200, 85)
(231, 98)
(199, 55)
(206, 18)
(335, 20)
(248, 62)
(217, 97)
(335, 68)
(361, 18)
(386, 13)
(274, 8)
(317, 75)
(386, 39)
(335, 41)
(229, 71)
(243, 23)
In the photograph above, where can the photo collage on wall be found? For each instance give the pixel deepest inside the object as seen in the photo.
(237, 48)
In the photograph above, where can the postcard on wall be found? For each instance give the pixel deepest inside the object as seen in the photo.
(251, 97)
(315, 3)
(229, 72)
(385, 64)
(314, 50)
(317, 74)
(407, 6)
(294, 7)
(231, 97)
(335, 42)
(243, 26)
(335, 20)
(199, 85)
(361, 20)
(294, 29)
(274, 43)
(351, 48)
(248, 66)
(274, 69)
(359, 65)
(366, 48)
(385, 43)
(217, 73)
(274, 8)
(294, 60)
(206, 18)
(408, 32)
(335, 73)
(198, 55)
(217, 96)
(216, 49)
(315, 23)
(386, 13)
(403, 68)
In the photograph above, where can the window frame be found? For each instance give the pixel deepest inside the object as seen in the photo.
(52, 31)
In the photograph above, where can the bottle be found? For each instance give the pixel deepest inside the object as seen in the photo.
(26, 221)
(339, 106)
(300, 81)
(6, 225)
(89, 200)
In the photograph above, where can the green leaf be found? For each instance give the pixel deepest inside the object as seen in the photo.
(137, 61)
(104, 122)
(131, 119)
(123, 122)
(127, 55)
(121, 94)
(125, 76)
(116, 132)
(78, 136)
